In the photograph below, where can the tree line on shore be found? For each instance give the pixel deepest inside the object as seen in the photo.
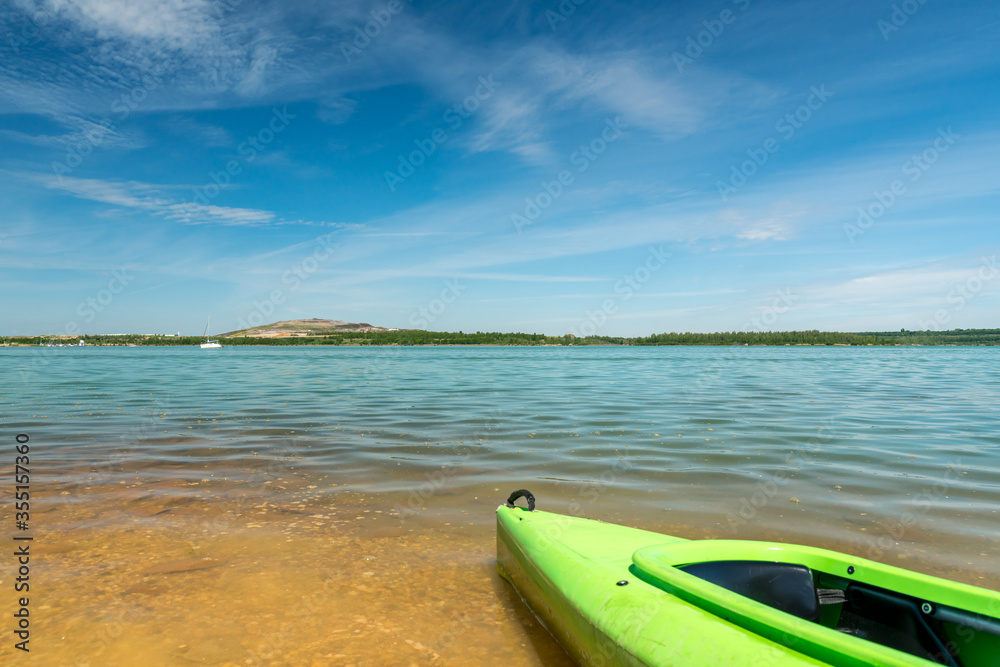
(420, 337)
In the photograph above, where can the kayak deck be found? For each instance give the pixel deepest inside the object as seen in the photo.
(615, 595)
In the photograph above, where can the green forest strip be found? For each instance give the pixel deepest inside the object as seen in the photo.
(407, 338)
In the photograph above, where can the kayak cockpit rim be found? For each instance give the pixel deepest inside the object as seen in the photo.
(944, 601)
(667, 558)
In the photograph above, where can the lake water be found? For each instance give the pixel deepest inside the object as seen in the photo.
(298, 506)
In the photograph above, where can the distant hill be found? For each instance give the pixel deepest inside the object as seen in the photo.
(311, 327)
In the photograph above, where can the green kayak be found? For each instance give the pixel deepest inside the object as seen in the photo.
(613, 595)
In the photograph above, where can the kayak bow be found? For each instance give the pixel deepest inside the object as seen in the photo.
(613, 595)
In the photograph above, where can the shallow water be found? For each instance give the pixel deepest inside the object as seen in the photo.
(335, 506)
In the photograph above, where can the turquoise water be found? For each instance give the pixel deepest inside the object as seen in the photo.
(891, 453)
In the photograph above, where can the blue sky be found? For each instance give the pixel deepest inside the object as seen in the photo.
(611, 168)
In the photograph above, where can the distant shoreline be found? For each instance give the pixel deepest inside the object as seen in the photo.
(413, 337)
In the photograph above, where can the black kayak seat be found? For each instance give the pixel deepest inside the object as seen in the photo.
(868, 612)
(787, 587)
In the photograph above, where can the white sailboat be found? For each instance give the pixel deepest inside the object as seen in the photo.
(209, 343)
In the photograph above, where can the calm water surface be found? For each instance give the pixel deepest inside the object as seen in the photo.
(296, 506)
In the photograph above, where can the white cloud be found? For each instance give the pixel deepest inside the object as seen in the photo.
(336, 111)
(777, 222)
(541, 81)
(47, 141)
(176, 24)
(202, 49)
(255, 78)
(201, 133)
(917, 287)
(149, 198)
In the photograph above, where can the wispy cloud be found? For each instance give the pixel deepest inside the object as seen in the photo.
(151, 199)
(902, 288)
(203, 47)
(201, 133)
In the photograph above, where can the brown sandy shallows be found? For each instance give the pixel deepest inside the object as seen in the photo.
(182, 573)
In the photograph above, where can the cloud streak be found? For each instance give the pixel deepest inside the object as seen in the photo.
(150, 199)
